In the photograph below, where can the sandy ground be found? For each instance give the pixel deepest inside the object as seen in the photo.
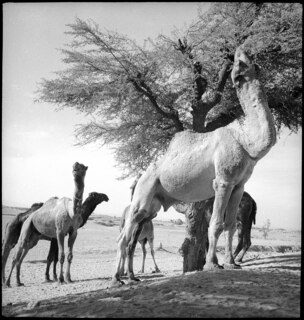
(268, 285)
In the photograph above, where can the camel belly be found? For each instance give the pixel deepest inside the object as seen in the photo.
(44, 222)
(188, 178)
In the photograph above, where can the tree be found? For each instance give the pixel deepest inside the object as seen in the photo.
(138, 97)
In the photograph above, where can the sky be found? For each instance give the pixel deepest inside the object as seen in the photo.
(38, 143)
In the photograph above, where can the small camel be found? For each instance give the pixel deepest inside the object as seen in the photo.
(55, 219)
(198, 166)
(12, 232)
(146, 235)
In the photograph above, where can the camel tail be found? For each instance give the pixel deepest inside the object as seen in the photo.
(253, 211)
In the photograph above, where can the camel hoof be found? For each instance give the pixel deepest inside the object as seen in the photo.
(133, 281)
(116, 283)
(156, 271)
(68, 281)
(7, 285)
(212, 267)
(20, 284)
(47, 281)
(231, 266)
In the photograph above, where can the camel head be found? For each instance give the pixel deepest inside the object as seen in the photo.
(243, 69)
(97, 198)
(79, 169)
(37, 205)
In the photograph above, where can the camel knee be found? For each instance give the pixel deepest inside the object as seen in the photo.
(219, 186)
(61, 258)
(139, 215)
(215, 229)
(70, 257)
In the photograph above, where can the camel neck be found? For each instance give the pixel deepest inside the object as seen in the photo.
(78, 194)
(255, 131)
(87, 210)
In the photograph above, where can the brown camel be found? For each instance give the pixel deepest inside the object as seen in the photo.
(146, 235)
(55, 219)
(246, 214)
(198, 166)
(12, 232)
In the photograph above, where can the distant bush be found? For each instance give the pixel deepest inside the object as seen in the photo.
(177, 222)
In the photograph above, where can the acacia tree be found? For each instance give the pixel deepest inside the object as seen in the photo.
(138, 97)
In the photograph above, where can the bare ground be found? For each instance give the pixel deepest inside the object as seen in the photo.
(268, 285)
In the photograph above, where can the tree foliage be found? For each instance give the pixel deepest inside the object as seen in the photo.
(138, 97)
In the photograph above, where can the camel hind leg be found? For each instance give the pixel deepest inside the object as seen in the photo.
(11, 236)
(230, 226)
(52, 257)
(144, 252)
(240, 244)
(246, 243)
(151, 244)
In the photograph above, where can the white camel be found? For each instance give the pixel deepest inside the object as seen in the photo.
(198, 166)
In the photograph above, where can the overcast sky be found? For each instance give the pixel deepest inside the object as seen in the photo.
(37, 141)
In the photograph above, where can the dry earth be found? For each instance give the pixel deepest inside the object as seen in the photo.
(267, 286)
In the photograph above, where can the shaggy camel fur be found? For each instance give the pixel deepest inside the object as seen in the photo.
(12, 232)
(198, 166)
(55, 219)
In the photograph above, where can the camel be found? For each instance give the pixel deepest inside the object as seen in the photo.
(13, 229)
(198, 166)
(12, 232)
(146, 235)
(55, 219)
(245, 217)
(246, 214)
(88, 207)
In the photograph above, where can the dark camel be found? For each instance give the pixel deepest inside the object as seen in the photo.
(246, 214)
(12, 233)
(55, 219)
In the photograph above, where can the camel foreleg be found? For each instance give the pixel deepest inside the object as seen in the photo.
(222, 195)
(71, 241)
(60, 242)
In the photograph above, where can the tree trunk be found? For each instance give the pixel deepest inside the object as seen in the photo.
(194, 246)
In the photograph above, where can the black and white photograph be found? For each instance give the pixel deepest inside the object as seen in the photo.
(151, 159)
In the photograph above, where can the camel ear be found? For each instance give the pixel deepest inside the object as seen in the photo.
(86, 168)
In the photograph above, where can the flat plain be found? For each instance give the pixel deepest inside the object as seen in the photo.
(268, 285)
